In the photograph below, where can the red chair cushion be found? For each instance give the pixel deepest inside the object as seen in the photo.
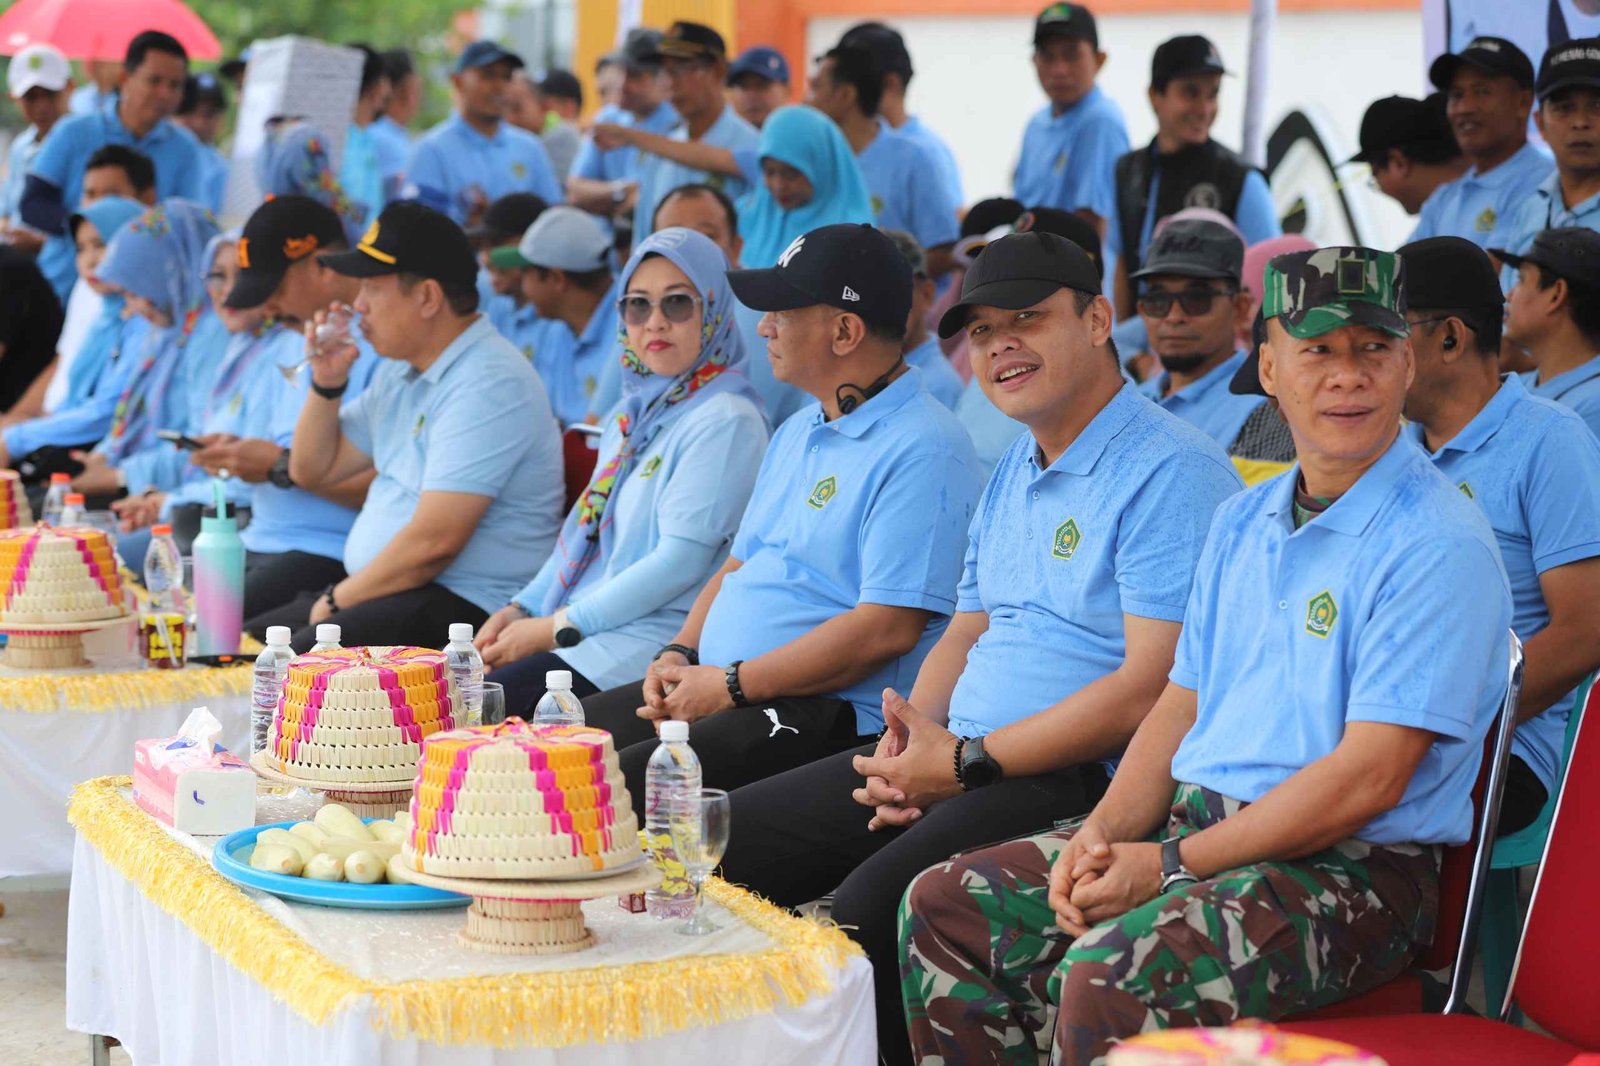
(1403, 995)
(1429, 1039)
(578, 460)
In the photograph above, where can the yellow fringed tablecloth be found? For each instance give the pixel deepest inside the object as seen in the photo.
(367, 983)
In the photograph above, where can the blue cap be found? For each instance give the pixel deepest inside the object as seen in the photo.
(760, 60)
(484, 53)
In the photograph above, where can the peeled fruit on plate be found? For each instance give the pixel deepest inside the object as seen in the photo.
(342, 848)
(276, 859)
(387, 832)
(306, 850)
(325, 868)
(339, 822)
(363, 868)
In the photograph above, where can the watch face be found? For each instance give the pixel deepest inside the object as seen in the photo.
(567, 637)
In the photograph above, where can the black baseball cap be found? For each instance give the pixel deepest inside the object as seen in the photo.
(691, 40)
(281, 232)
(1570, 252)
(1451, 273)
(1066, 20)
(1401, 122)
(1181, 56)
(1247, 379)
(1019, 270)
(850, 266)
(485, 53)
(1194, 248)
(410, 238)
(761, 61)
(1575, 63)
(508, 218)
(1492, 55)
(1069, 224)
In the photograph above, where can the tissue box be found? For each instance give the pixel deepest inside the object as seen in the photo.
(206, 791)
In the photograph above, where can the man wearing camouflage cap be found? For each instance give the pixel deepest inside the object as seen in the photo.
(1270, 841)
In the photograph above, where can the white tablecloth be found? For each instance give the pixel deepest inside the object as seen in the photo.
(141, 975)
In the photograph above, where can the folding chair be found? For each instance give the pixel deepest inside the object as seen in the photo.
(579, 453)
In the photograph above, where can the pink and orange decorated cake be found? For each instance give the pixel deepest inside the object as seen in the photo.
(359, 715)
(14, 510)
(58, 575)
(1242, 1045)
(521, 802)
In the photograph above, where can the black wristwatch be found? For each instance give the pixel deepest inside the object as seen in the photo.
(279, 474)
(1174, 874)
(567, 635)
(975, 768)
(327, 393)
(692, 654)
(731, 672)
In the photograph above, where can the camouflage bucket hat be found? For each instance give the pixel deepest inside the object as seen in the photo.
(1312, 293)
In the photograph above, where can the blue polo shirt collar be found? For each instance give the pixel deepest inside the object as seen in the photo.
(1084, 452)
(855, 424)
(1487, 422)
(1353, 512)
(1570, 379)
(1508, 171)
(158, 133)
(1200, 387)
(462, 126)
(453, 352)
(1088, 98)
(1550, 189)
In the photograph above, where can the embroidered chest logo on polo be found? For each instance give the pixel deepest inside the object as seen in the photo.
(1466, 490)
(1061, 163)
(825, 490)
(520, 170)
(1066, 539)
(590, 385)
(235, 402)
(1321, 614)
(877, 206)
(416, 430)
(650, 467)
(1485, 221)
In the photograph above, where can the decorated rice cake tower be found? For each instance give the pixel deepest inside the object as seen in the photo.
(360, 715)
(1242, 1045)
(63, 575)
(14, 510)
(521, 802)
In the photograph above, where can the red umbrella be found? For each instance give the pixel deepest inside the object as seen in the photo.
(101, 29)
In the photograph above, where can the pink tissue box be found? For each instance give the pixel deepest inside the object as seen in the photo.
(204, 793)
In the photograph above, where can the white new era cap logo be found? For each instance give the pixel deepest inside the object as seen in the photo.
(791, 251)
(851, 294)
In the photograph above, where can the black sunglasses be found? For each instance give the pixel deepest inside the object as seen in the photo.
(677, 306)
(1193, 301)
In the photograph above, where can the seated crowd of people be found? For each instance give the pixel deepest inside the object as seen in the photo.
(1047, 581)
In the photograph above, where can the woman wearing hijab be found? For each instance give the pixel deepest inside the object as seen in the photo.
(157, 263)
(678, 461)
(294, 161)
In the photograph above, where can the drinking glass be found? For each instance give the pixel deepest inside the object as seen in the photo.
(700, 836)
(494, 704)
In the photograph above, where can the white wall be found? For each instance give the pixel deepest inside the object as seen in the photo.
(975, 82)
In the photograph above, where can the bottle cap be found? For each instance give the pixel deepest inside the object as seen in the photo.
(327, 633)
(60, 479)
(461, 631)
(673, 731)
(160, 529)
(278, 635)
(558, 679)
(75, 498)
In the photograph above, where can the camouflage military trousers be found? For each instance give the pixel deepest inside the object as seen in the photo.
(988, 977)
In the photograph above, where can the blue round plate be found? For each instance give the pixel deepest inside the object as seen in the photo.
(231, 857)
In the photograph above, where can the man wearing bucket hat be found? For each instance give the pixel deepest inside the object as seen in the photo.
(1270, 840)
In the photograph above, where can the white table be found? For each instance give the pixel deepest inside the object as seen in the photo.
(149, 979)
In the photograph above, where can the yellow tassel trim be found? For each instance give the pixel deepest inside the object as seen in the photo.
(97, 693)
(611, 1003)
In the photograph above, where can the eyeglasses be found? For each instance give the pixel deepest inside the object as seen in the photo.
(679, 307)
(216, 279)
(1193, 301)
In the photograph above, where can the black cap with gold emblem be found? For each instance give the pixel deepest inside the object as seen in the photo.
(409, 238)
(283, 231)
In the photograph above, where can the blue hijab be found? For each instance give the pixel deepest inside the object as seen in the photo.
(100, 343)
(294, 161)
(807, 140)
(651, 402)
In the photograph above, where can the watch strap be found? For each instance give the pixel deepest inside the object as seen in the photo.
(327, 393)
(692, 654)
(961, 776)
(1173, 871)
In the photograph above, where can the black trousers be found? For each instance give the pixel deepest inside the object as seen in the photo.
(270, 581)
(1523, 798)
(524, 683)
(419, 616)
(735, 747)
(801, 835)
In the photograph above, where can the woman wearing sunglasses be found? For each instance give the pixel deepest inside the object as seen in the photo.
(677, 462)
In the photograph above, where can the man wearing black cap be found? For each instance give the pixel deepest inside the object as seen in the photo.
(1488, 88)
(844, 569)
(1084, 543)
(1410, 148)
(1183, 167)
(1080, 124)
(1553, 314)
(1534, 468)
(886, 43)
(605, 182)
(1569, 119)
(695, 60)
(474, 157)
(467, 494)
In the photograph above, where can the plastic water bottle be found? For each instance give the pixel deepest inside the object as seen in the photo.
(559, 705)
(56, 498)
(671, 778)
(72, 509)
(466, 668)
(272, 668)
(163, 572)
(328, 636)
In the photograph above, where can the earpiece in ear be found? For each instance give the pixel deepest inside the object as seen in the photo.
(1449, 344)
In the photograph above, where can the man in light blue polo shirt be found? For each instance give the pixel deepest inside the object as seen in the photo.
(1534, 468)
(1488, 87)
(1553, 314)
(695, 59)
(889, 48)
(565, 262)
(467, 493)
(1071, 145)
(139, 117)
(1084, 543)
(474, 157)
(604, 182)
(844, 569)
(1343, 654)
